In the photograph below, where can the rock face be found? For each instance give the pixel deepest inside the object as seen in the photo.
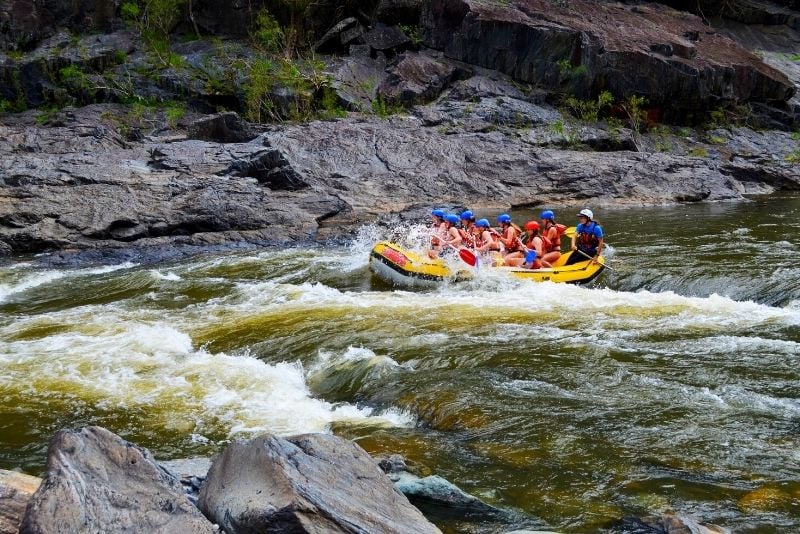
(321, 179)
(16, 489)
(584, 47)
(308, 483)
(97, 482)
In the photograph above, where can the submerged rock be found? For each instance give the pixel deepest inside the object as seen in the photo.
(307, 483)
(665, 524)
(98, 482)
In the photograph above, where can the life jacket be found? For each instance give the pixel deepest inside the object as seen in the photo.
(586, 241)
(550, 245)
(515, 246)
(467, 236)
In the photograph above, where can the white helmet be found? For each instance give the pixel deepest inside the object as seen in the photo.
(586, 212)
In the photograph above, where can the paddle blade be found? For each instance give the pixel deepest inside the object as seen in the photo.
(468, 257)
(569, 232)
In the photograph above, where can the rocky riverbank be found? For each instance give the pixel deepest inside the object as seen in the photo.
(416, 119)
(96, 481)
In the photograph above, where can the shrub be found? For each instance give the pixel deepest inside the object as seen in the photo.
(384, 108)
(632, 106)
(267, 33)
(589, 110)
(698, 152)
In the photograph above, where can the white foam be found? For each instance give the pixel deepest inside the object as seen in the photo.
(169, 277)
(133, 364)
(28, 282)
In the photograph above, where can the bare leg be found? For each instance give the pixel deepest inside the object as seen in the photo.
(515, 259)
(550, 258)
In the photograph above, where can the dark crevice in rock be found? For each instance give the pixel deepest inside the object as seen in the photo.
(271, 169)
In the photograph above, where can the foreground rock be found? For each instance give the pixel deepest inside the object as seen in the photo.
(98, 482)
(16, 489)
(307, 483)
(665, 524)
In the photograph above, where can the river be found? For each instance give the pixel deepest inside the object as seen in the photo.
(671, 383)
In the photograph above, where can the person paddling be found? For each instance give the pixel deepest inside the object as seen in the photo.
(468, 229)
(532, 243)
(438, 231)
(551, 238)
(508, 236)
(485, 241)
(588, 239)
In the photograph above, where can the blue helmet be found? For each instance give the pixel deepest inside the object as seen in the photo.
(483, 222)
(530, 257)
(504, 218)
(438, 213)
(452, 218)
(467, 215)
(548, 214)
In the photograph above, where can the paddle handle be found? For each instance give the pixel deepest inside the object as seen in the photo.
(582, 253)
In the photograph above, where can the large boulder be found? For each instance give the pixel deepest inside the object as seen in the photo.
(98, 482)
(225, 127)
(416, 79)
(307, 483)
(16, 489)
(582, 47)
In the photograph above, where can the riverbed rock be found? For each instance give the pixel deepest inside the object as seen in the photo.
(97, 482)
(383, 38)
(16, 489)
(665, 524)
(583, 47)
(306, 483)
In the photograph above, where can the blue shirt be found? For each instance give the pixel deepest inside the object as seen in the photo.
(592, 229)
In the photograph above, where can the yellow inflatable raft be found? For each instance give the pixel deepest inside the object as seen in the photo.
(404, 267)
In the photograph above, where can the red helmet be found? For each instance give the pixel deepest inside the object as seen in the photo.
(531, 226)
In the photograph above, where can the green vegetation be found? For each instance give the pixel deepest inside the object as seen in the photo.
(174, 112)
(567, 70)
(795, 57)
(698, 152)
(5, 106)
(794, 157)
(414, 33)
(717, 140)
(632, 106)
(120, 57)
(267, 34)
(384, 109)
(589, 110)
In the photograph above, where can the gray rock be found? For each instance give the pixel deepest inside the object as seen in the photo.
(586, 46)
(665, 524)
(383, 37)
(322, 179)
(340, 34)
(98, 482)
(225, 127)
(16, 489)
(416, 79)
(307, 483)
(435, 490)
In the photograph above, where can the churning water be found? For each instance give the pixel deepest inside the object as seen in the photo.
(672, 383)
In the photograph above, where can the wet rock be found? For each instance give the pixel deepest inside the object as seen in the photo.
(417, 78)
(96, 481)
(225, 127)
(384, 38)
(16, 489)
(307, 483)
(587, 46)
(665, 524)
